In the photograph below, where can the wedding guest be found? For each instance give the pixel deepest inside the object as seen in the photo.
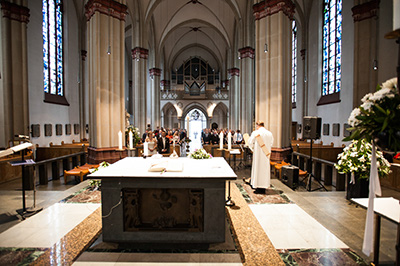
(169, 136)
(237, 137)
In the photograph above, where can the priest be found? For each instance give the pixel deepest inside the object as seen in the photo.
(260, 142)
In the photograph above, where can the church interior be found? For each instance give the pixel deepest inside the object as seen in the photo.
(86, 86)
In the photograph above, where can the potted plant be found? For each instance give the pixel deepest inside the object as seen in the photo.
(200, 154)
(135, 135)
(356, 161)
(378, 118)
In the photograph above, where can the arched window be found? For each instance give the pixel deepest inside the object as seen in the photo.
(332, 47)
(294, 63)
(53, 65)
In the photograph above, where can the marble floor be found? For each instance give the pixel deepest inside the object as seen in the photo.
(312, 223)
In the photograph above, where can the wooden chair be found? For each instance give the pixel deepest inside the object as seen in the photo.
(80, 171)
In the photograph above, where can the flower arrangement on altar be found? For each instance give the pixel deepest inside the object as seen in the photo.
(356, 158)
(95, 184)
(135, 134)
(378, 117)
(200, 154)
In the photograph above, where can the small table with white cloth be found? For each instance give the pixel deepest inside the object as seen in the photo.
(388, 208)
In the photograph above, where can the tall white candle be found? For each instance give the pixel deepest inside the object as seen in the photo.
(221, 140)
(396, 15)
(187, 126)
(130, 140)
(229, 140)
(120, 140)
(146, 149)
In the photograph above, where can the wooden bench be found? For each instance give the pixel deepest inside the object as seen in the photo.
(79, 171)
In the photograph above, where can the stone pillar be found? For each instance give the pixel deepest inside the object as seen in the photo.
(246, 112)
(139, 66)
(14, 76)
(155, 73)
(82, 100)
(106, 46)
(366, 37)
(233, 74)
(273, 70)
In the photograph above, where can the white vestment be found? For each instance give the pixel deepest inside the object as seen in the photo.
(260, 170)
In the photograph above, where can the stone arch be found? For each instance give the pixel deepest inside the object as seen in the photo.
(195, 105)
(169, 116)
(220, 115)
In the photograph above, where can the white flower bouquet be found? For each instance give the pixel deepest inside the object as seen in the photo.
(356, 158)
(200, 154)
(378, 117)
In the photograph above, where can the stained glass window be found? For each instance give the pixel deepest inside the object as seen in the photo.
(53, 47)
(294, 61)
(332, 47)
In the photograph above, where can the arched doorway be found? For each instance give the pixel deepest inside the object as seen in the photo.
(196, 121)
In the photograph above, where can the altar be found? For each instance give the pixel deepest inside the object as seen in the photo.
(185, 204)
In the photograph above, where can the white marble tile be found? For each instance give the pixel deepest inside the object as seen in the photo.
(45, 228)
(288, 226)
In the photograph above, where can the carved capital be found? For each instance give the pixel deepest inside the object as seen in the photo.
(270, 7)
(107, 7)
(139, 53)
(15, 12)
(155, 72)
(246, 52)
(365, 11)
(234, 72)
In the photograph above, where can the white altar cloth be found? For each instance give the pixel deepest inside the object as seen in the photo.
(138, 167)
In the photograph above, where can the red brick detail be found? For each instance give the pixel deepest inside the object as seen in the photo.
(246, 52)
(107, 7)
(366, 10)
(270, 7)
(15, 12)
(139, 53)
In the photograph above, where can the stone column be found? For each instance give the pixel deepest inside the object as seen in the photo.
(82, 100)
(106, 46)
(155, 73)
(14, 76)
(234, 75)
(273, 75)
(366, 37)
(139, 66)
(246, 112)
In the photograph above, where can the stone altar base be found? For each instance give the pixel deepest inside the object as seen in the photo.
(225, 252)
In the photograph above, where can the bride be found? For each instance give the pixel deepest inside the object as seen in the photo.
(152, 143)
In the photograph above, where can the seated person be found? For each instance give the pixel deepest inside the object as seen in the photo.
(163, 143)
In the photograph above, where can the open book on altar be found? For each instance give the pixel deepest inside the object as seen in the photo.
(168, 166)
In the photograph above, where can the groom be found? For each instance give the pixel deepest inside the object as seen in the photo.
(163, 143)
